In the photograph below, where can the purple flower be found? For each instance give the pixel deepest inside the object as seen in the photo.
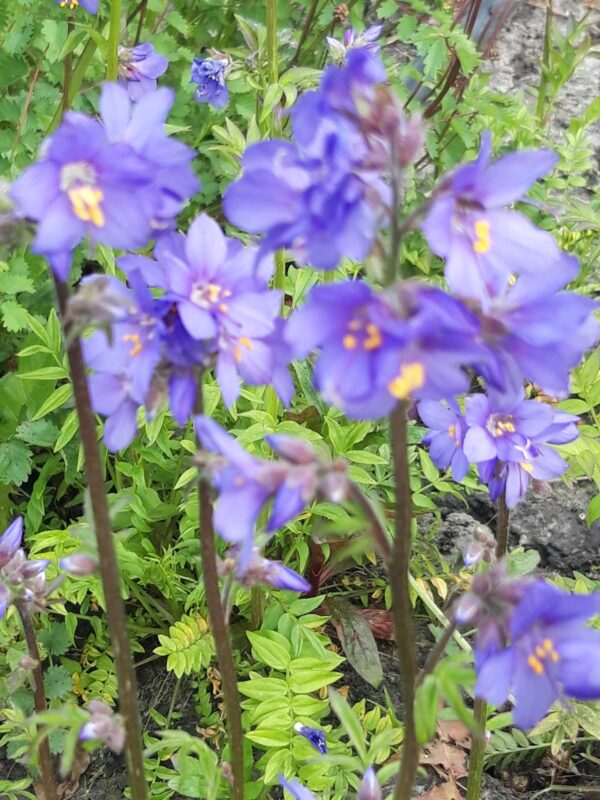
(510, 438)
(552, 654)
(10, 541)
(209, 75)
(314, 735)
(141, 126)
(84, 185)
(321, 197)
(446, 437)
(105, 726)
(296, 789)
(245, 484)
(91, 6)
(254, 569)
(377, 349)
(369, 787)
(533, 331)
(367, 40)
(484, 244)
(139, 67)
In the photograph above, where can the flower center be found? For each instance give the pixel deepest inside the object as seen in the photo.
(78, 180)
(410, 377)
(238, 352)
(70, 4)
(136, 342)
(500, 424)
(364, 334)
(482, 243)
(542, 653)
(208, 295)
(453, 434)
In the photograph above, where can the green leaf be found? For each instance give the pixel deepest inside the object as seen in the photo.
(55, 640)
(271, 648)
(350, 723)
(357, 640)
(57, 682)
(68, 430)
(427, 701)
(41, 433)
(593, 509)
(310, 680)
(269, 738)
(45, 374)
(14, 317)
(588, 717)
(58, 397)
(15, 462)
(262, 688)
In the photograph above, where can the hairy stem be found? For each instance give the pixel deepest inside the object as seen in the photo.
(66, 99)
(138, 33)
(480, 709)
(220, 632)
(46, 768)
(114, 35)
(108, 566)
(272, 41)
(399, 568)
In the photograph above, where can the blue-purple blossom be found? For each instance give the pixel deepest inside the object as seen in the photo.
(91, 6)
(369, 788)
(209, 76)
(446, 437)
(367, 39)
(139, 67)
(296, 789)
(510, 438)
(254, 569)
(534, 330)
(551, 655)
(245, 484)
(104, 725)
(315, 736)
(483, 243)
(320, 196)
(22, 580)
(378, 348)
(10, 541)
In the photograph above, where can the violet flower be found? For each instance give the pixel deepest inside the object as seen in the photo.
(252, 569)
(511, 439)
(367, 39)
(296, 789)
(22, 580)
(91, 6)
(552, 654)
(467, 224)
(319, 196)
(446, 437)
(209, 75)
(379, 348)
(139, 67)
(105, 726)
(369, 788)
(314, 735)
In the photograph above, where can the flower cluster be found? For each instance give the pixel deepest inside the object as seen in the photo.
(119, 182)
(532, 643)
(139, 67)
(213, 308)
(246, 484)
(510, 439)
(22, 581)
(209, 76)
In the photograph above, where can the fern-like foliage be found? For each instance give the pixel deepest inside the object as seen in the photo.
(189, 646)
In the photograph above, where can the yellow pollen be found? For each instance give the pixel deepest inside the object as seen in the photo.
(512, 280)
(536, 665)
(554, 657)
(223, 308)
(134, 338)
(237, 352)
(70, 4)
(539, 651)
(452, 431)
(526, 466)
(85, 201)
(548, 645)
(411, 377)
(349, 341)
(373, 341)
(355, 325)
(214, 290)
(504, 427)
(482, 231)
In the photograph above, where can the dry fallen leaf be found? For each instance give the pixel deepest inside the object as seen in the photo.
(381, 623)
(80, 763)
(454, 731)
(446, 759)
(444, 791)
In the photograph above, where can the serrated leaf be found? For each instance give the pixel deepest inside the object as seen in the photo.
(41, 432)
(55, 640)
(15, 462)
(57, 682)
(14, 317)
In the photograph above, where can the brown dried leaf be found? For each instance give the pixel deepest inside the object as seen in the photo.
(444, 791)
(446, 759)
(80, 763)
(381, 623)
(454, 731)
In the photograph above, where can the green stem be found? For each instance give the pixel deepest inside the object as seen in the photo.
(272, 41)
(46, 768)
(540, 107)
(108, 565)
(219, 629)
(66, 101)
(114, 36)
(399, 571)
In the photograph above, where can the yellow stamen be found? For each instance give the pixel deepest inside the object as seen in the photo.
(452, 431)
(355, 325)
(136, 341)
(223, 308)
(374, 340)
(512, 280)
(526, 466)
(411, 377)
(85, 201)
(214, 290)
(237, 352)
(70, 4)
(349, 341)
(482, 231)
(536, 665)
(504, 427)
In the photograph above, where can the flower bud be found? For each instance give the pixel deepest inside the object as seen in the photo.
(369, 787)
(291, 448)
(79, 564)
(314, 735)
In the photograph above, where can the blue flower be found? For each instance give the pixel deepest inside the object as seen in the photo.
(552, 654)
(139, 67)
(446, 436)
(314, 735)
(209, 75)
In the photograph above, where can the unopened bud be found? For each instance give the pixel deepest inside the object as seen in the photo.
(28, 663)
(369, 787)
(79, 564)
(341, 12)
(292, 449)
